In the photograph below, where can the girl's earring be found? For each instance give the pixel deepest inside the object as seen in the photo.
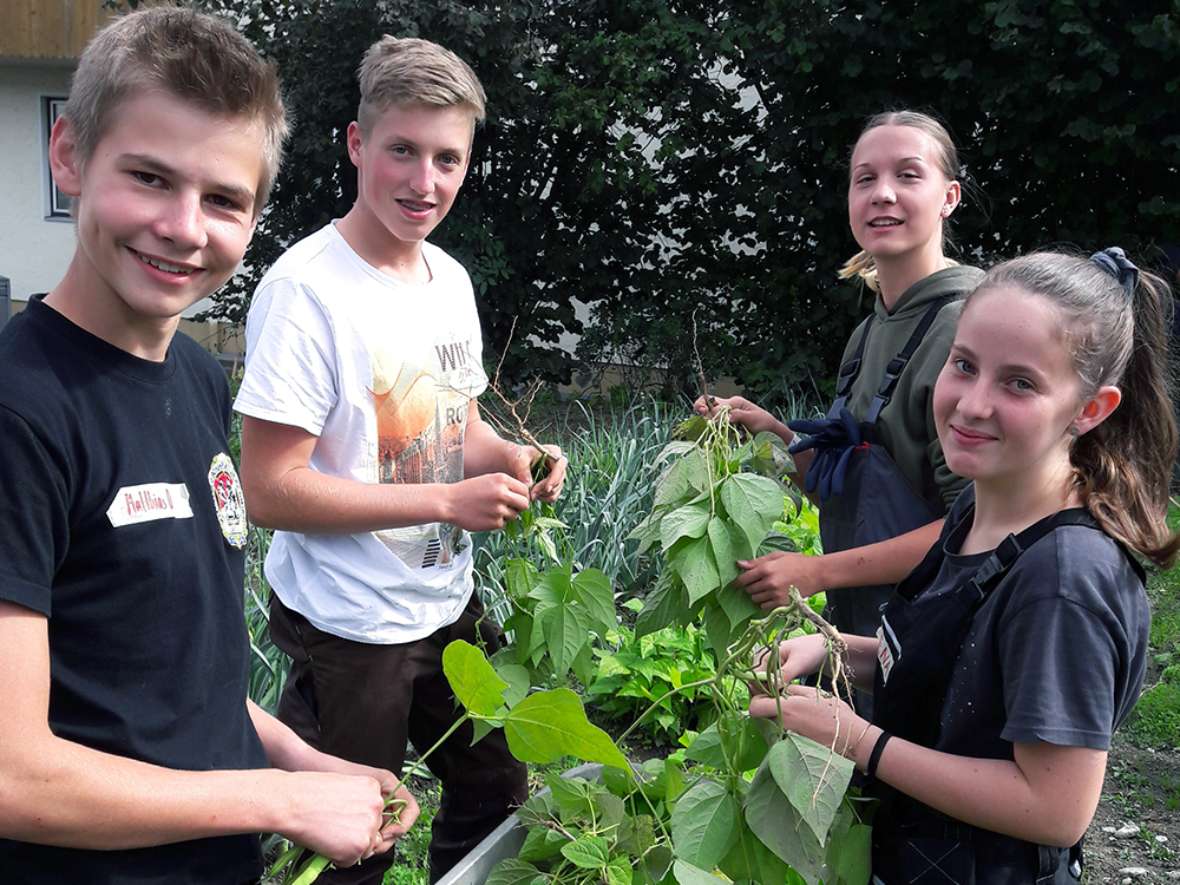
(946, 211)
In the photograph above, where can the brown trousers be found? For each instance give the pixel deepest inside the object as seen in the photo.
(363, 702)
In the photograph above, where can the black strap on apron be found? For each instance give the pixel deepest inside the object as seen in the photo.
(850, 371)
(898, 363)
(834, 437)
(921, 644)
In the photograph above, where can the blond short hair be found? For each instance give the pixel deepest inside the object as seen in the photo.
(190, 55)
(409, 70)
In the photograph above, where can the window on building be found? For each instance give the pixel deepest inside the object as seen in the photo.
(57, 204)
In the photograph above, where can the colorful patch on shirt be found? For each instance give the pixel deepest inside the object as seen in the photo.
(228, 499)
(148, 502)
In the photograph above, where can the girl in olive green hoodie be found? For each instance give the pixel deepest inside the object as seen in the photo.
(875, 466)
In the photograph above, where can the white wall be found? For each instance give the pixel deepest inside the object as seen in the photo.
(34, 251)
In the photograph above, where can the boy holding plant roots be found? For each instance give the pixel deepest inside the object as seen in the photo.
(363, 444)
(129, 752)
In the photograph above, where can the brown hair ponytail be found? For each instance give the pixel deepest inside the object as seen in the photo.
(1125, 464)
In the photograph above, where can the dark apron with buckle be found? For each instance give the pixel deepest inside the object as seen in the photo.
(920, 642)
(864, 498)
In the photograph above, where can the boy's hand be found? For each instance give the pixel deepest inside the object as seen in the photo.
(769, 579)
(399, 817)
(339, 816)
(526, 463)
(487, 502)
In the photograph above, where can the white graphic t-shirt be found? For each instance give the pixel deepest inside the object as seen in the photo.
(382, 372)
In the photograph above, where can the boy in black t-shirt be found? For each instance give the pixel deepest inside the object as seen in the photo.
(128, 749)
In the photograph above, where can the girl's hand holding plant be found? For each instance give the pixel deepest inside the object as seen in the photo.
(819, 715)
(804, 709)
(769, 579)
(742, 412)
(797, 657)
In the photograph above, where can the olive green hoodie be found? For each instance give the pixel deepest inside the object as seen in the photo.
(906, 425)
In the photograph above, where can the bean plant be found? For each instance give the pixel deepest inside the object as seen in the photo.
(746, 802)
(755, 805)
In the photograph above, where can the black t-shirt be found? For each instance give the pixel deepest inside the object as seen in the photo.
(122, 520)
(1058, 651)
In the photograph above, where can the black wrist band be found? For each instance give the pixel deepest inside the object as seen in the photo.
(875, 756)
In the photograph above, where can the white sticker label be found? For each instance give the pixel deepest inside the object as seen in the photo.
(148, 502)
(884, 655)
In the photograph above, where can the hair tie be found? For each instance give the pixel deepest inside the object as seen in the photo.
(1116, 263)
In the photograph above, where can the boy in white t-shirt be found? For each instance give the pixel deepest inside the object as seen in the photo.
(363, 445)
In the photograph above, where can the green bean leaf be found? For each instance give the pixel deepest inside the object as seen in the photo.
(473, 680)
(704, 824)
(687, 874)
(587, 852)
(754, 503)
(515, 872)
(550, 724)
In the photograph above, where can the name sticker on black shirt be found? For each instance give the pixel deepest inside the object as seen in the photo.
(888, 648)
(149, 501)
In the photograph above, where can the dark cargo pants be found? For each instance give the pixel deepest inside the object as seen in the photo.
(362, 702)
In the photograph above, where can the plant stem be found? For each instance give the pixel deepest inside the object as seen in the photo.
(417, 767)
(700, 683)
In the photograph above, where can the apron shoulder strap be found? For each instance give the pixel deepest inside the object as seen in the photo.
(985, 578)
(926, 571)
(1010, 549)
(898, 363)
(850, 371)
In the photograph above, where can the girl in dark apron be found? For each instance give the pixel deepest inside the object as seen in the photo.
(1004, 662)
(874, 464)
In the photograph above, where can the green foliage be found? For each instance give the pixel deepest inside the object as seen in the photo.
(791, 820)
(588, 831)
(1156, 721)
(711, 823)
(607, 492)
(550, 724)
(648, 159)
(639, 670)
(554, 616)
(709, 512)
(473, 680)
(801, 528)
(268, 664)
(1165, 626)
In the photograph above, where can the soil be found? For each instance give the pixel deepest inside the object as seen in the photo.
(1143, 789)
